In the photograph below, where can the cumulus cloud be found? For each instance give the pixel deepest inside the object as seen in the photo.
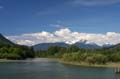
(95, 2)
(67, 36)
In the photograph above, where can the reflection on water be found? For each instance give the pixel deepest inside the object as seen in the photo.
(53, 70)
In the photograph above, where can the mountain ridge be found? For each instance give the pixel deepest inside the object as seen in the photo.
(5, 41)
(45, 46)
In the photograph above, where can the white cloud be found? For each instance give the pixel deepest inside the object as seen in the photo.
(65, 35)
(25, 42)
(56, 26)
(95, 2)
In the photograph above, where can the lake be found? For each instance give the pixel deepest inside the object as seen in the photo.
(53, 70)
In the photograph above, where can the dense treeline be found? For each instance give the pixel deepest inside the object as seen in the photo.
(75, 54)
(55, 51)
(69, 54)
(15, 52)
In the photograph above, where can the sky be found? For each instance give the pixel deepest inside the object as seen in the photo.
(37, 17)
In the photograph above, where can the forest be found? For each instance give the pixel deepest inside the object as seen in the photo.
(69, 54)
(16, 52)
(75, 54)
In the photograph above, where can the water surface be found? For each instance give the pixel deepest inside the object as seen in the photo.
(53, 70)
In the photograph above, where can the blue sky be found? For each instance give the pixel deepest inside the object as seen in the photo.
(30, 16)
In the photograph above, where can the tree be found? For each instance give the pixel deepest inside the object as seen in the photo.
(53, 50)
(72, 48)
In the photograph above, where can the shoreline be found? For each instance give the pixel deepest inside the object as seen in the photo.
(29, 60)
(108, 65)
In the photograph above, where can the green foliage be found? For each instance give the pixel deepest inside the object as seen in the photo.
(16, 52)
(71, 57)
(53, 50)
(85, 57)
(96, 59)
(75, 54)
(72, 48)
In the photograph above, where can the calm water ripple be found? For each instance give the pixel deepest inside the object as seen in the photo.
(53, 70)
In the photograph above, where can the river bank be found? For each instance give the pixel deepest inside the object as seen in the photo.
(110, 65)
(31, 60)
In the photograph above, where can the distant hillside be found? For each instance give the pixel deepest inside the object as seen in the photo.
(9, 50)
(114, 47)
(45, 46)
(83, 44)
(4, 41)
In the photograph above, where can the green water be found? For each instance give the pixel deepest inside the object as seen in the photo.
(53, 70)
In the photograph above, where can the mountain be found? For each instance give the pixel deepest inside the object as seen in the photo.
(5, 41)
(45, 46)
(9, 50)
(81, 44)
(85, 45)
(114, 47)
